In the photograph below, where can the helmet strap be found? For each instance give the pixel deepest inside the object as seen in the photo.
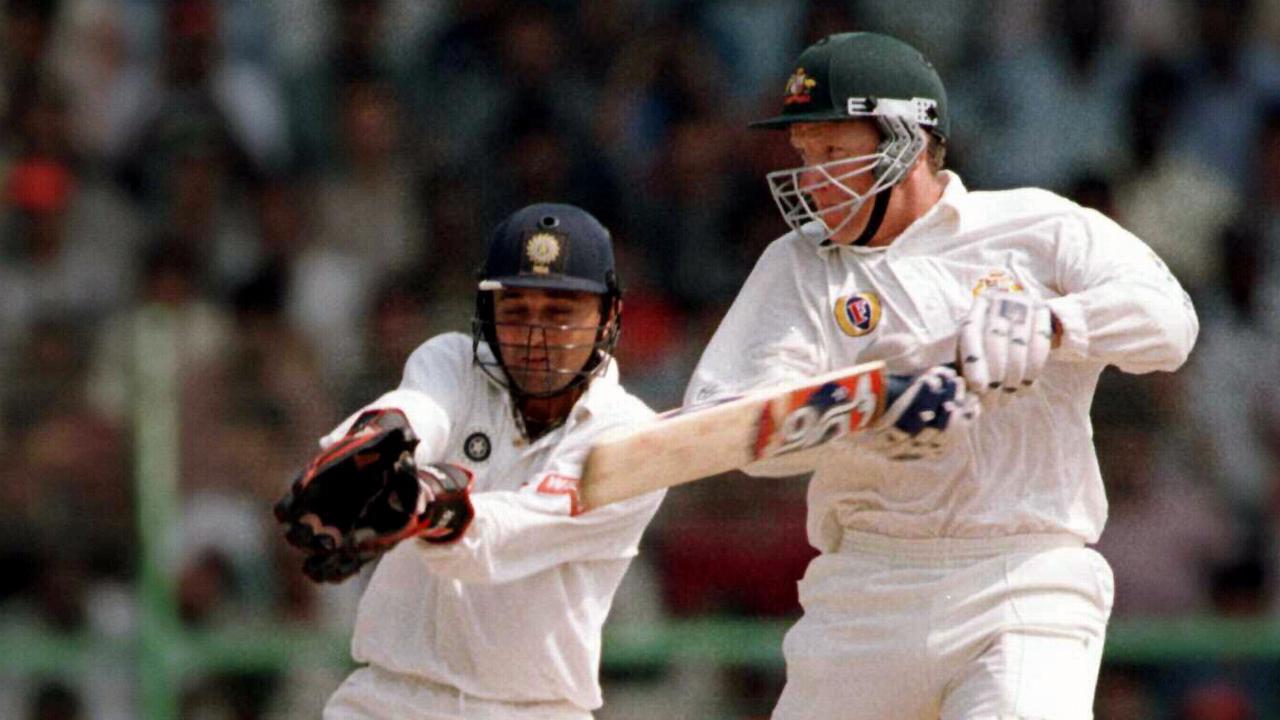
(877, 217)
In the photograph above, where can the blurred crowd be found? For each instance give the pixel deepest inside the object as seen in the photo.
(306, 186)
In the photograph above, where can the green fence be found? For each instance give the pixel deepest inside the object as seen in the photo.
(166, 656)
(165, 653)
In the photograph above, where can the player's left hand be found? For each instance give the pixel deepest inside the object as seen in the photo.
(924, 413)
(439, 512)
(1005, 342)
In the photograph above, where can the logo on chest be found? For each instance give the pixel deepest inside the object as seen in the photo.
(477, 446)
(857, 314)
(998, 280)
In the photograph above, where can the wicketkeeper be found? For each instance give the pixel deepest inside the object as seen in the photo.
(491, 586)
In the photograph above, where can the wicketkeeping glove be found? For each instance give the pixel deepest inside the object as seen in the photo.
(364, 494)
(1005, 342)
(924, 413)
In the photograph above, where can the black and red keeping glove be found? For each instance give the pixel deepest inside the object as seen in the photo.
(364, 494)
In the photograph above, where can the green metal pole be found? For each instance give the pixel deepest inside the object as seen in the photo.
(155, 392)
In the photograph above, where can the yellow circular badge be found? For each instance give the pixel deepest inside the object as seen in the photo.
(857, 314)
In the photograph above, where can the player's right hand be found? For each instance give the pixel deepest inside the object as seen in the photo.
(364, 494)
(926, 413)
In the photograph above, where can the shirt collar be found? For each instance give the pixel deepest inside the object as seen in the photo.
(598, 391)
(947, 209)
(592, 401)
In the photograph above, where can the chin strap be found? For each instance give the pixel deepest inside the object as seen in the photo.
(877, 217)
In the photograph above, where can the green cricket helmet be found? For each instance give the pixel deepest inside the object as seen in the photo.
(862, 74)
(857, 76)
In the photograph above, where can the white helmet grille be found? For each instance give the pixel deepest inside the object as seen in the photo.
(793, 188)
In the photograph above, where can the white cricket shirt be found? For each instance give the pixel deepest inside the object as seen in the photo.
(1026, 466)
(512, 611)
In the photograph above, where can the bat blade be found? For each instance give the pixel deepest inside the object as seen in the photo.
(694, 442)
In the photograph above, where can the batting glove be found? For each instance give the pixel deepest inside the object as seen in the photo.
(926, 413)
(1005, 342)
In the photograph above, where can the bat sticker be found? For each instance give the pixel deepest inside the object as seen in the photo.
(813, 416)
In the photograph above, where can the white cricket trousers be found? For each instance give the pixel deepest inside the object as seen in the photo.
(372, 693)
(957, 629)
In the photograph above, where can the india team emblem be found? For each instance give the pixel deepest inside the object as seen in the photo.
(542, 249)
(857, 314)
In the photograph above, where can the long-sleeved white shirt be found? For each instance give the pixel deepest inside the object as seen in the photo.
(1026, 466)
(512, 611)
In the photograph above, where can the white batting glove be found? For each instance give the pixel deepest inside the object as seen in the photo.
(926, 413)
(1005, 342)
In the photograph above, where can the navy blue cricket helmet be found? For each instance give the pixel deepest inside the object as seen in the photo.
(553, 246)
(548, 246)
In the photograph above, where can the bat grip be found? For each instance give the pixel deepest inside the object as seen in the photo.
(898, 384)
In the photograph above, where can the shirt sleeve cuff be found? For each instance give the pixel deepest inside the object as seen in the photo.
(1075, 331)
(443, 558)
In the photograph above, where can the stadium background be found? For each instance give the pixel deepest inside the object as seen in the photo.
(224, 225)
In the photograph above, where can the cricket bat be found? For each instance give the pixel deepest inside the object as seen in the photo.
(698, 441)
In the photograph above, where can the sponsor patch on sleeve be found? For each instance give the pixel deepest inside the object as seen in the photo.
(552, 484)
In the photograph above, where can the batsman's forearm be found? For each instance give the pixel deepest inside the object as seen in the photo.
(1139, 325)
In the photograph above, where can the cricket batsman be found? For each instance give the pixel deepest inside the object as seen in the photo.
(492, 586)
(954, 584)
